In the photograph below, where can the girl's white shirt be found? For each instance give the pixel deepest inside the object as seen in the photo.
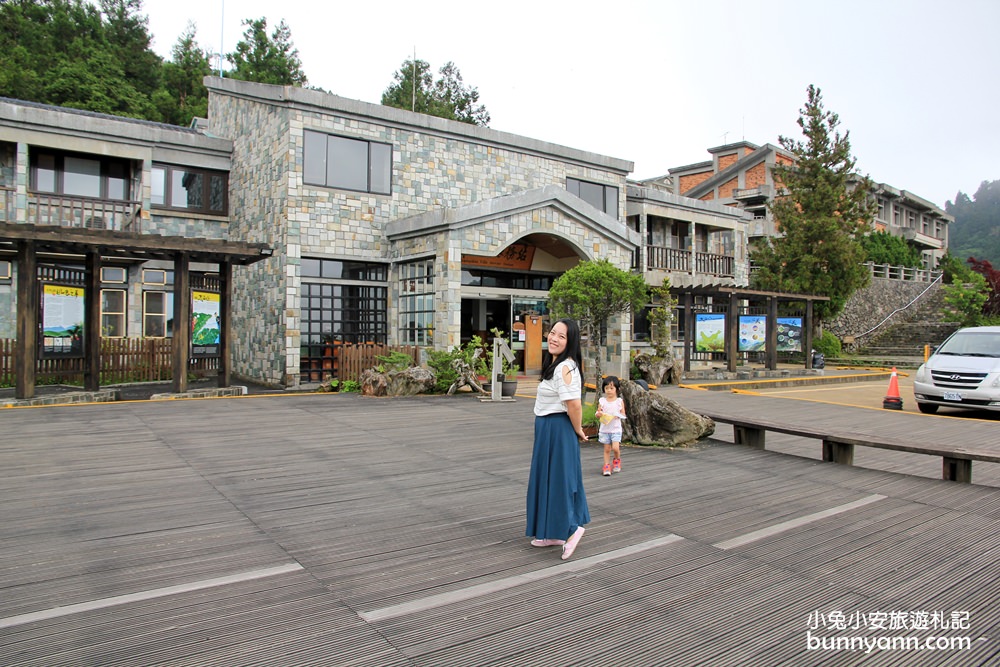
(564, 386)
(615, 407)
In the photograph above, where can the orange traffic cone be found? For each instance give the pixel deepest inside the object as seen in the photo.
(892, 400)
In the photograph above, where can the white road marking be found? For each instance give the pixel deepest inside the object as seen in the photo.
(146, 595)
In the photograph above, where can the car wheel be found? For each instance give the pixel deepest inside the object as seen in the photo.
(927, 408)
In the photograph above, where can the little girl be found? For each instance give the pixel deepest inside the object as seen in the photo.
(611, 412)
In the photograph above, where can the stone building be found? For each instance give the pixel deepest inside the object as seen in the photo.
(740, 174)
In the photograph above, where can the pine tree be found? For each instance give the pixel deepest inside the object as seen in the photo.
(416, 90)
(822, 210)
(267, 59)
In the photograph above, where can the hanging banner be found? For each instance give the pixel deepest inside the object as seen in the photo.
(753, 333)
(710, 332)
(206, 324)
(62, 321)
(789, 334)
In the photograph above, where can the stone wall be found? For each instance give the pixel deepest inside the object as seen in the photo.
(870, 306)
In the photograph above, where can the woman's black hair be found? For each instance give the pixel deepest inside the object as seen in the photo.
(611, 379)
(572, 350)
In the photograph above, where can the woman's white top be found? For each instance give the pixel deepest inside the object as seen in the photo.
(565, 385)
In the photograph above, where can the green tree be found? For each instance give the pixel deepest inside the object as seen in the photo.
(822, 212)
(886, 248)
(661, 316)
(977, 219)
(265, 59)
(415, 89)
(183, 95)
(592, 293)
(127, 33)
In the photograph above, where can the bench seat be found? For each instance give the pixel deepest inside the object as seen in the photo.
(838, 447)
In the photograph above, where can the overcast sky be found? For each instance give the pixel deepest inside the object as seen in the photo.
(659, 82)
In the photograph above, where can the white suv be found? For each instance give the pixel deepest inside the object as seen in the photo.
(963, 372)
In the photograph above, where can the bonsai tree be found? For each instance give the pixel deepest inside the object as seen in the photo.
(592, 293)
(659, 366)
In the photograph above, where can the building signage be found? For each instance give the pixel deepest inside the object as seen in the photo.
(789, 334)
(515, 256)
(710, 332)
(753, 333)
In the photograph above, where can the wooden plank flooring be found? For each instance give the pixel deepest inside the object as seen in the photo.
(396, 526)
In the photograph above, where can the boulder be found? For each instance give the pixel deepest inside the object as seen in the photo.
(658, 370)
(408, 382)
(654, 419)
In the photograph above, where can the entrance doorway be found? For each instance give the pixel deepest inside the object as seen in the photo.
(524, 319)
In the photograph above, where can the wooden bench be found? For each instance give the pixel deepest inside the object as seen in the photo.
(956, 461)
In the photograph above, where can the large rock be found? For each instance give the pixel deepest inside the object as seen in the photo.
(658, 370)
(409, 382)
(654, 419)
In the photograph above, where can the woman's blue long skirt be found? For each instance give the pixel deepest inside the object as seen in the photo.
(556, 503)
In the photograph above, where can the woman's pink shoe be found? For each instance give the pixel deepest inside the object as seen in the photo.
(571, 543)
(547, 543)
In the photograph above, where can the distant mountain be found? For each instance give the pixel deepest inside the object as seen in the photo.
(976, 230)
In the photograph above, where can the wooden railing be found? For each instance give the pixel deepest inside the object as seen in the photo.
(907, 273)
(673, 259)
(84, 213)
(123, 360)
(346, 361)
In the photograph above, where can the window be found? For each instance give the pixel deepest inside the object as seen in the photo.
(157, 314)
(113, 313)
(79, 175)
(157, 277)
(112, 274)
(601, 197)
(348, 164)
(190, 189)
(5, 270)
(416, 303)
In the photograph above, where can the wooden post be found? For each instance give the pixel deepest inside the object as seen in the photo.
(92, 324)
(689, 332)
(771, 334)
(807, 334)
(838, 452)
(748, 436)
(732, 334)
(225, 324)
(956, 470)
(182, 321)
(27, 320)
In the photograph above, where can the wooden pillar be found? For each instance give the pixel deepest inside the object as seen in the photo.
(182, 321)
(771, 334)
(92, 327)
(689, 330)
(225, 325)
(732, 333)
(807, 334)
(27, 320)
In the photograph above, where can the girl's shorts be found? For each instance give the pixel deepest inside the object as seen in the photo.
(608, 438)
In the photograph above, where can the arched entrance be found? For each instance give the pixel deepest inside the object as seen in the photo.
(509, 292)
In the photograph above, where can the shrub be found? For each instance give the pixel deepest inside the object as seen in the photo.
(440, 362)
(828, 344)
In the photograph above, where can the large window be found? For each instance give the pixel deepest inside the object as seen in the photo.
(157, 314)
(345, 302)
(416, 303)
(602, 197)
(190, 189)
(349, 164)
(77, 175)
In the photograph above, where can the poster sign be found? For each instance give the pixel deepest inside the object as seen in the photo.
(62, 321)
(789, 334)
(710, 332)
(753, 333)
(206, 327)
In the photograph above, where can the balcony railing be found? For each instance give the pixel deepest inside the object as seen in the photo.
(673, 259)
(84, 213)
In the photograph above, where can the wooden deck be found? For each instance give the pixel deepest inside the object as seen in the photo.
(337, 530)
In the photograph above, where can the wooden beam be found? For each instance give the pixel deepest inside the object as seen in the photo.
(182, 321)
(27, 320)
(771, 335)
(92, 324)
(225, 324)
(732, 334)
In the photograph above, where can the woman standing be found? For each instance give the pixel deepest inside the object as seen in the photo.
(557, 505)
